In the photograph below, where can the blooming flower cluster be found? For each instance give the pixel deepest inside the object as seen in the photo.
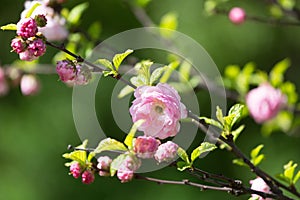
(87, 176)
(29, 43)
(72, 73)
(264, 102)
(161, 109)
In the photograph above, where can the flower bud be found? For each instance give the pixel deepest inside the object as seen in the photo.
(18, 45)
(166, 152)
(27, 27)
(27, 55)
(104, 165)
(237, 15)
(87, 177)
(125, 175)
(40, 20)
(145, 146)
(259, 184)
(75, 169)
(66, 71)
(29, 85)
(37, 47)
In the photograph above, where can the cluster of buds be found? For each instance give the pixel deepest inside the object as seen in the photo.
(73, 73)
(29, 43)
(77, 170)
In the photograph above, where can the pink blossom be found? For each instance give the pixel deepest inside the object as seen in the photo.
(3, 83)
(104, 165)
(83, 75)
(27, 55)
(161, 109)
(87, 177)
(27, 27)
(237, 15)
(29, 85)
(264, 102)
(18, 45)
(259, 184)
(145, 146)
(55, 29)
(166, 152)
(37, 47)
(66, 71)
(125, 175)
(75, 169)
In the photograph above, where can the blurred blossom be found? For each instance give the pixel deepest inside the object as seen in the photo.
(161, 109)
(264, 102)
(259, 184)
(4, 88)
(55, 29)
(29, 85)
(237, 15)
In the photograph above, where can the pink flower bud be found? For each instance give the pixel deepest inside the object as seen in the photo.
(259, 184)
(66, 71)
(41, 20)
(104, 165)
(131, 162)
(237, 15)
(145, 146)
(264, 102)
(161, 109)
(75, 169)
(87, 177)
(125, 175)
(37, 47)
(83, 75)
(3, 83)
(18, 45)
(27, 27)
(166, 152)
(27, 55)
(29, 85)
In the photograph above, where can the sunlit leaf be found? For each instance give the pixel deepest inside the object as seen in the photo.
(125, 91)
(169, 69)
(296, 178)
(110, 144)
(9, 27)
(75, 14)
(168, 22)
(129, 138)
(239, 162)
(181, 165)
(31, 10)
(203, 148)
(219, 115)
(276, 75)
(156, 74)
(257, 160)
(183, 155)
(255, 152)
(106, 63)
(212, 122)
(118, 58)
(184, 71)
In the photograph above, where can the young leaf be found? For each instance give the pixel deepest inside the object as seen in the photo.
(169, 69)
(183, 155)
(76, 13)
(211, 122)
(142, 3)
(9, 27)
(156, 74)
(110, 73)
(106, 63)
(95, 30)
(204, 147)
(236, 111)
(125, 91)
(219, 115)
(239, 162)
(296, 178)
(276, 75)
(116, 163)
(257, 160)
(128, 140)
(168, 21)
(237, 132)
(109, 144)
(289, 170)
(181, 165)
(184, 71)
(118, 58)
(31, 10)
(255, 152)
(78, 155)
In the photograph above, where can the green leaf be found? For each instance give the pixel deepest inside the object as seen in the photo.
(219, 115)
(211, 122)
(168, 21)
(184, 71)
(257, 160)
(276, 74)
(183, 155)
(9, 27)
(31, 10)
(118, 58)
(106, 63)
(130, 135)
(110, 73)
(76, 13)
(289, 89)
(239, 162)
(283, 178)
(237, 132)
(236, 111)
(287, 4)
(276, 11)
(296, 178)
(209, 6)
(125, 91)
(289, 170)
(95, 30)
(78, 155)
(142, 3)
(156, 74)
(116, 163)
(232, 71)
(204, 147)
(109, 144)
(181, 165)
(255, 152)
(169, 69)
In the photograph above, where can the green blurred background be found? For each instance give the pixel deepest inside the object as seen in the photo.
(35, 131)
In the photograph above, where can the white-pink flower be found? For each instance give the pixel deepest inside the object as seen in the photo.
(145, 146)
(259, 184)
(237, 15)
(3, 83)
(104, 165)
(29, 85)
(161, 109)
(166, 152)
(264, 102)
